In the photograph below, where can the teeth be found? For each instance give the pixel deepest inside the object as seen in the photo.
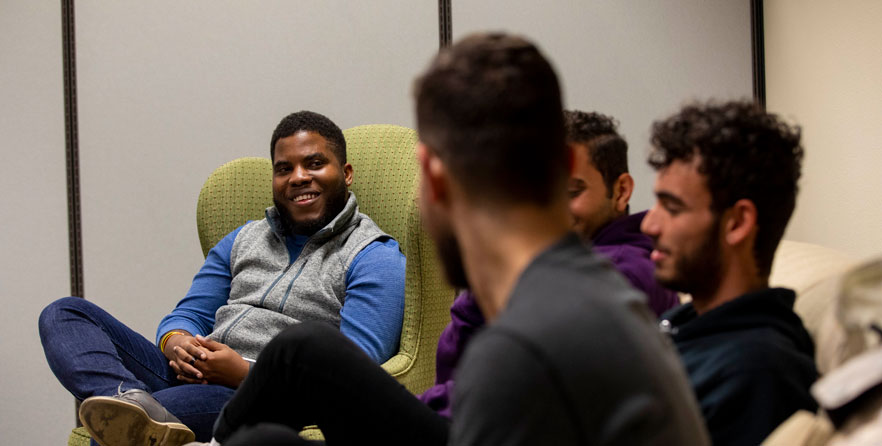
(305, 197)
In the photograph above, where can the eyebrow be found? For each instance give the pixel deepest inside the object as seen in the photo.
(316, 155)
(670, 198)
(307, 158)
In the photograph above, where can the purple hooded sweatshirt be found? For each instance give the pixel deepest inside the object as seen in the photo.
(465, 320)
(628, 249)
(620, 241)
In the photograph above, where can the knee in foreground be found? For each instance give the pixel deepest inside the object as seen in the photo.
(303, 337)
(53, 312)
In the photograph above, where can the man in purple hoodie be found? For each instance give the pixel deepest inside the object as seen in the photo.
(599, 190)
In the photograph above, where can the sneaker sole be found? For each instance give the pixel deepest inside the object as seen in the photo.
(113, 422)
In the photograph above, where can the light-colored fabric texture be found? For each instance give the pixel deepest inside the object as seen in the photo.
(843, 310)
(814, 272)
(800, 265)
(802, 429)
(234, 193)
(79, 437)
(386, 183)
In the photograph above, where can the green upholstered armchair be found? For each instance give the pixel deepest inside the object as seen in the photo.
(385, 181)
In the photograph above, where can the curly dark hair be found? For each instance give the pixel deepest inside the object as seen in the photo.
(745, 153)
(310, 122)
(490, 107)
(607, 149)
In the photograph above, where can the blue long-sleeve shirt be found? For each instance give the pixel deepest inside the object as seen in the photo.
(372, 311)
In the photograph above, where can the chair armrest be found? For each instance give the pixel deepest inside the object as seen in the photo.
(398, 364)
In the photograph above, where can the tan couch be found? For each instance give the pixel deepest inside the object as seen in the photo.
(837, 297)
(814, 272)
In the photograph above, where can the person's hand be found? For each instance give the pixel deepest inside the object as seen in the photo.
(221, 365)
(183, 351)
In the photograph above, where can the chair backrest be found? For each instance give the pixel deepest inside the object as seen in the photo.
(385, 182)
(234, 193)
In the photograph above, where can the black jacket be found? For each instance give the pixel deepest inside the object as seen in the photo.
(750, 362)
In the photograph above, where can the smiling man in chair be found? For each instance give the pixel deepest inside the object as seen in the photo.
(313, 258)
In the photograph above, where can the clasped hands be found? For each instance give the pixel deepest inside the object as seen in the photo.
(199, 360)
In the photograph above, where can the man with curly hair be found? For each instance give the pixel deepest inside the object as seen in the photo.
(726, 188)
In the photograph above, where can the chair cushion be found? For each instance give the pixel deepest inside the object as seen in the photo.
(79, 437)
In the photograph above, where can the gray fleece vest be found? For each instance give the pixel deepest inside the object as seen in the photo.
(269, 293)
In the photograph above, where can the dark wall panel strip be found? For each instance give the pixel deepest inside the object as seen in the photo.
(445, 23)
(72, 155)
(68, 37)
(757, 38)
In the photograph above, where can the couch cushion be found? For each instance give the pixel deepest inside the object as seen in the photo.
(815, 273)
(801, 266)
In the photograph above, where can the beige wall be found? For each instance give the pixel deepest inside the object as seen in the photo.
(824, 72)
(169, 91)
(34, 408)
(634, 59)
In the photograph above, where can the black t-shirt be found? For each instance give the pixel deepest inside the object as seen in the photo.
(574, 358)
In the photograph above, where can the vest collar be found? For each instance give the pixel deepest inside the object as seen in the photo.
(340, 222)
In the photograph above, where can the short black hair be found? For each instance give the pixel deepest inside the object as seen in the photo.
(490, 107)
(607, 149)
(745, 153)
(311, 122)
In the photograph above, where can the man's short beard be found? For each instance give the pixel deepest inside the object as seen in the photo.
(699, 273)
(335, 203)
(451, 259)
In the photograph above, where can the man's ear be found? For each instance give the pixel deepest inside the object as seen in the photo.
(740, 224)
(622, 190)
(434, 174)
(347, 174)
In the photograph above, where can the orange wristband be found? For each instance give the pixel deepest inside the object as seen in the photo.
(165, 337)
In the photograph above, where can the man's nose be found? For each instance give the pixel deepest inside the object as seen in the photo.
(649, 225)
(299, 176)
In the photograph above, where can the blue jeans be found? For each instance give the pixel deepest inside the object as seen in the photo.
(92, 353)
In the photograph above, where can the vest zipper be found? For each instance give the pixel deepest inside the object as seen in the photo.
(288, 291)
(284, 271)
(223, 339)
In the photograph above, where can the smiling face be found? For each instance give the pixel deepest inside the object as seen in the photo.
(685, 230)
(309, 182)
(591, 205)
